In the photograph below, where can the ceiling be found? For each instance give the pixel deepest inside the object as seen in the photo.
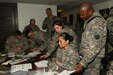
(62, 4)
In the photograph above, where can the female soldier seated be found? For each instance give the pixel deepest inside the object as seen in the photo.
(66, 57)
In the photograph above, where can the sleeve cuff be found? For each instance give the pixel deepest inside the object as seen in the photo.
(83, 64)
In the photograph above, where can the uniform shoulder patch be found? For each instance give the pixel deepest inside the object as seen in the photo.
(96, 34)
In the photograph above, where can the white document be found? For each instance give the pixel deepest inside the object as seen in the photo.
(15, 68)
(65, 72)
(27, 66)
(38, 72)
(12, 62)
(11, 54)
(42, 63)
(22, 67)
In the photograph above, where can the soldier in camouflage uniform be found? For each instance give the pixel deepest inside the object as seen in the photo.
(60, 28)
(66, 57)
(92, 47)
(110, 38)
(16, 43)
(36, 39)
(48, 23)
(31, 26)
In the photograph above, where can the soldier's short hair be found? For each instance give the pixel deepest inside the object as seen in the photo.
(32, 19)
(48, 9)
(59, 23)
(18, 33)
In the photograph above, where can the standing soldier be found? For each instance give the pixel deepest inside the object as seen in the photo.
(92, 48)
(48, 23)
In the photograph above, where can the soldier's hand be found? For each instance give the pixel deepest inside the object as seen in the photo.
(54, 59)
(18, 49)
(79, 68)
(34, 49)
(44, 56)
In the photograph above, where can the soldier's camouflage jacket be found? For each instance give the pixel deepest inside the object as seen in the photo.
(92, 47)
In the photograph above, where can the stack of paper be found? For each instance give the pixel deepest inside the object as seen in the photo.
(42, 63)
(65, 72)
(22, 67)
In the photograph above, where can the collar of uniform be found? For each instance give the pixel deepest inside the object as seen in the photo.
(94, 14)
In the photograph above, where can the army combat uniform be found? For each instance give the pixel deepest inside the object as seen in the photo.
(109, 43)
(33, 28)
(38, 40)
(69, 59)
(12, 43)
(48, 26)
(54, 43)
(92, 47)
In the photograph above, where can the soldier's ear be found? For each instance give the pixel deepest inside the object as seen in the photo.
(67, 41)
(90, 12)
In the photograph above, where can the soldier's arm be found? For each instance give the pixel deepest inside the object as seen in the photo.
(110, 29)
(8, 45)
(51, 48)
(43, 46)
(44, 25)
(74, 42)
(53, 44)
(25, 44)
(37, 28)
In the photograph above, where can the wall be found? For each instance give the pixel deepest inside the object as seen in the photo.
(70, 12)
(97, 7)
(102, 5)
(37, 11)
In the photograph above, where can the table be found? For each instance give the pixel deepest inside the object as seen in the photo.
(32, 60)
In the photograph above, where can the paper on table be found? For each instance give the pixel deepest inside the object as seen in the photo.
(27, 66)
(22, 67)
(5, 63)
(42, 63)
(15, 68)
(65, 72)
(12, 62)
(38, 72)
(11, 54)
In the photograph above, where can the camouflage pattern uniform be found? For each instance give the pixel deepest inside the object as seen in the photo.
(12, 42)
(54, 43)
(92, 48)
(34, 28)
(110, 37)
(69, 59)
(48, 25)
(38, 40)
